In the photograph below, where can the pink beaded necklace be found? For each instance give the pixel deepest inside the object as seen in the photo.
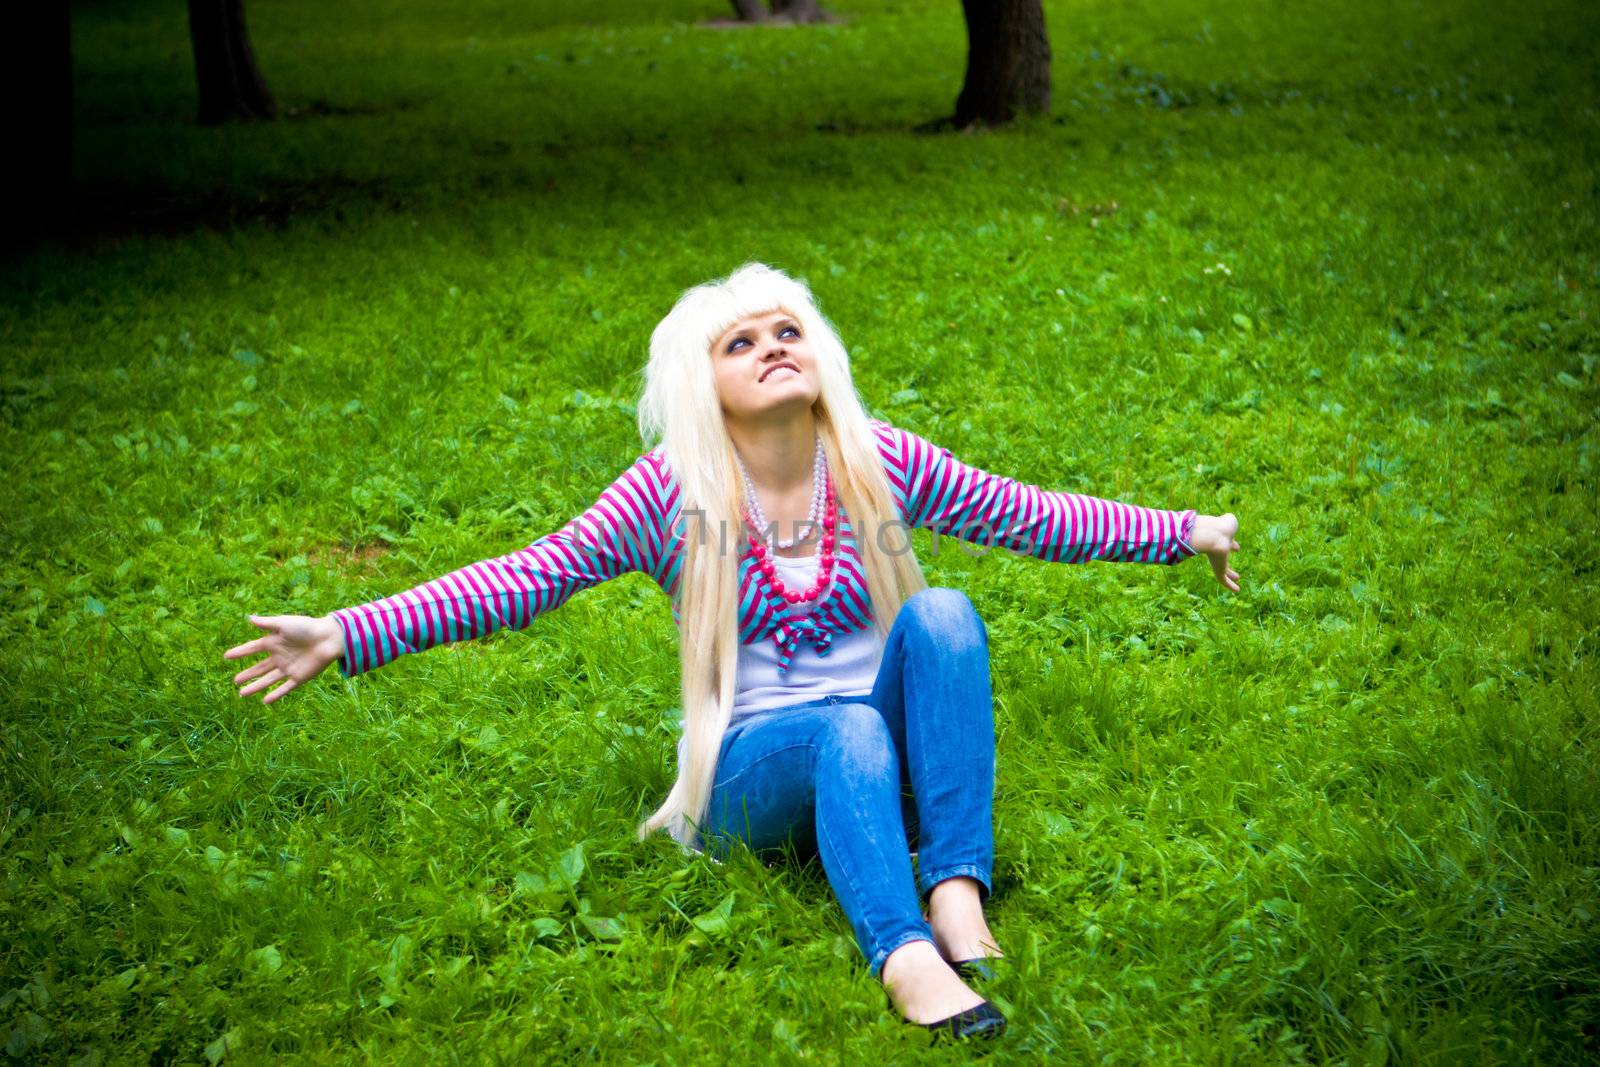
(769, 570)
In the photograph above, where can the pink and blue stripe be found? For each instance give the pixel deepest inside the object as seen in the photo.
(637, 524)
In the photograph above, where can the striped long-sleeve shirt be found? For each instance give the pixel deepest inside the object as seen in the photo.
(639, 524)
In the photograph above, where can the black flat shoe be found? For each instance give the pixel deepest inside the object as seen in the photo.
(980, 969)
(983, 1021)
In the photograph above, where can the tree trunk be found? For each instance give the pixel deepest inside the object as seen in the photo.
(797, 10)
(37, 56)
(231, 86)
(1008, 61)
(782, 11)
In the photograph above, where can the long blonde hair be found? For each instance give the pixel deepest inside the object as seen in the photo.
(680, 409)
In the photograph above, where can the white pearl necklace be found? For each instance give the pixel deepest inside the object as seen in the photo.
(819, 480)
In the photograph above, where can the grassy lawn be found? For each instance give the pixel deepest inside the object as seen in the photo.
(1330, 269)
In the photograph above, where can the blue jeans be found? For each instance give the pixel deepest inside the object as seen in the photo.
(849, 776)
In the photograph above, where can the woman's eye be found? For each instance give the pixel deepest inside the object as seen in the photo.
(737, 342)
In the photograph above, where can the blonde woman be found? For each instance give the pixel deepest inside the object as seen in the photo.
(831, 700)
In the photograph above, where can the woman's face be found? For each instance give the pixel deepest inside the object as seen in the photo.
(764, 368)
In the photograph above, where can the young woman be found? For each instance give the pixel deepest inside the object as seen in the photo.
(831, 699)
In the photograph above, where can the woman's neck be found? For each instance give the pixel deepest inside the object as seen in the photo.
(779, 453)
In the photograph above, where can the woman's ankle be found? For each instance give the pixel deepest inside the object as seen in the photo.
(955, 914)
(960, 892)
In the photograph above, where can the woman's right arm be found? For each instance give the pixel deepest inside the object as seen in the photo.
(620, 532)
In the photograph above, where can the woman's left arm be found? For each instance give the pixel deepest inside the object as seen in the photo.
(941, 493)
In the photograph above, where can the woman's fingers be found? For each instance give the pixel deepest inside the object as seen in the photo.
(1225, 574)
(282, 690)
(252, 671)
(261, 683)
(269, 623)
(246, 649)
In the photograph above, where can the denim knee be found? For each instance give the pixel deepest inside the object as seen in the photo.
(860, 740)
(949, 615)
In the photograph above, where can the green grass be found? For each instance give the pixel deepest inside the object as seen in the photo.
(1345, 816)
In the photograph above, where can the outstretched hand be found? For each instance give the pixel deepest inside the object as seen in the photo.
(1213, 535)
(297, 648)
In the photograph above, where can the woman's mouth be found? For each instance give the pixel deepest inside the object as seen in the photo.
(781, 366)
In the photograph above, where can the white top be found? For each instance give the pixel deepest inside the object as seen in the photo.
(849, 669)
